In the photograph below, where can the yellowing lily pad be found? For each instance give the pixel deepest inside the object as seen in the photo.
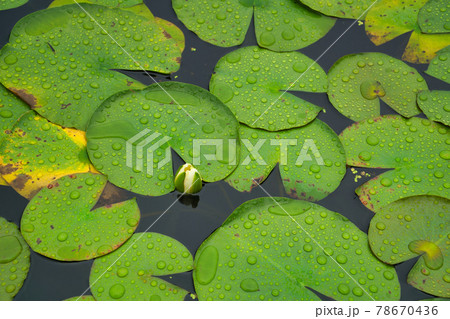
(280, 25)
(311, 160)
(435, 105)
(37, 152)
(440, 66)
(10, 4)
(350, 9)
(277, 248)
(131, 272)
(357, 82)
(251, 82)
(416, 226)
(14, 260)
(11, 108)
(434, 17)
(65, 77)
(60, 222)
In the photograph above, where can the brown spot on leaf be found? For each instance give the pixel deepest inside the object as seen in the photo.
(29, 98)
(19, 182)
(7, 169)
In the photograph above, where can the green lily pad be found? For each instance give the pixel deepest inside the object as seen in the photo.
(82, 298)
(280, 25)
(358, 81)
(416, 148)
(342, 9)
(64, 79)
(388, 19)
(440, 66)
(151, 123)
(131, 272)
(261, 253)
(416, 226)
(311, 160)
(435, 105)
(11, 108)
(434, 17)
(10, 4)
(60, 222)
(251, 81)
(14, 260)
(37, 152)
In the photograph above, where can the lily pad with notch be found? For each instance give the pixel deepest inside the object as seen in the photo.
(11, 109)
(354, 9)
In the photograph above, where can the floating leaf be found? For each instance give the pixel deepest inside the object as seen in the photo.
(311, 159)
(122, 141)
(82, 298)
(60, 222)
(358, 81)
(342, 9)
(280, 25)
(251, 81)
(261, 253)
(416, 148)
(434, 17)
(14, 260)
(11, 108)
(3, 182)
(440, 65)
(37, 152)
(416, 226)
(108, 3)
(435, 105)
(10, 4)
(388, 19)
(65, 80)
(132, 271)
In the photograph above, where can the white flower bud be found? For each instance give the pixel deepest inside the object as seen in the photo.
(188, 179)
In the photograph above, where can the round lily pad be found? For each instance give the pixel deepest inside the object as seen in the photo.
(311, 160)
(435, 105)
(280, 25)
(82, 298)
(11, 108)
(131, 272)
(440, 66)
(353, 9)
(130, 136)
(262, 253)
(37, 152)
(358, 81)
(411, 227)
(10, 4)
(14, 260)
(60, 222)
(64, 79)
(251, 82)
(434, 17)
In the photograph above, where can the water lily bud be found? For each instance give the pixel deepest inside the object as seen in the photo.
(188, 179)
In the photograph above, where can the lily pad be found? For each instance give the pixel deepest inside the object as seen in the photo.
(434, 17)
(280, 25)
(133, 129)
(64, 79)
(416, 226)
(10, 4)
(440, 66)
(60, 222)
(81, 298)
(3, 182)
(132, 272)
(14, 260)
(262, 253)
(388, 19)
(435, 105)
(251, 81)
(311, 160)
(416, 148)
(37, 152)
(355, 9)
(358, 81)
(11, 108)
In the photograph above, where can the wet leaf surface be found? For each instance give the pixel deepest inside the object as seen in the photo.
(143, 258)
(11, 109)
(434, 17)
(250, 81)
(60, 222)
(10, 4)
(440, 66)
(251, 256)
(415, 226)
(435, 105)
(342, 9)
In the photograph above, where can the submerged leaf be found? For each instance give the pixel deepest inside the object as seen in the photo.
(276, 248)
(60, 222)
(440, 66)
(11, 109)
(64, 79)
(14, 260)
(435, 105)
(416, 226)
(355, 9)
(434, 17)
(131, 145)
(133, 270)
(37, 152)
(10, 4)
(358, 81)
(251, 81)
(280, 25)
(311, 160)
